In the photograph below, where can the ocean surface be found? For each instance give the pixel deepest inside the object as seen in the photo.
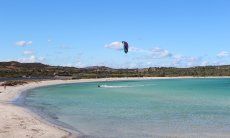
(136, 109)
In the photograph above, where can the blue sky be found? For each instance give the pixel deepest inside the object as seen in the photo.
(83, 33)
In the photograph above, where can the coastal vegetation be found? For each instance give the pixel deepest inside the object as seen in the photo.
(41, 71)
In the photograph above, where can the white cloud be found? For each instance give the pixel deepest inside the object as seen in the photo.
(140, 50)
(162, 57)
(152, 53)
(41, 59)
(115, 45)
(119, 46)
(177, 60)
(187, 61)
(205, 63)
(134, 49)
(217, 63)
(24, 43)
(68, 65)
(28, 52)
(223, 54)
(31, 59)
(160, 53)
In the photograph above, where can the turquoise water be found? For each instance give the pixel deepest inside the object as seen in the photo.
(146, 108)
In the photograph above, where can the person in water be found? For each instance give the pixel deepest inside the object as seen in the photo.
(98, 85)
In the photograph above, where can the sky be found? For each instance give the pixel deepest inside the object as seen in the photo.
(81, 33)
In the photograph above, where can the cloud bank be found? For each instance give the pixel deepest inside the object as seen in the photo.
(31, 59)
(160, 57)
(223, 54)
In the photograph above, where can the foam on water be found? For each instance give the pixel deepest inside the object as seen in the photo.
(112, 86)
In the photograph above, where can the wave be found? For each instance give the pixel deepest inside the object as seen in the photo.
(120, 86)
(110, 86)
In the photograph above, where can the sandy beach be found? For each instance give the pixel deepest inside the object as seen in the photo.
(17, 121)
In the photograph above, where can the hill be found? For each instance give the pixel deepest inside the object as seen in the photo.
(41, 71)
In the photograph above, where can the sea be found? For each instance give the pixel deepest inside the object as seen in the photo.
(192, 107)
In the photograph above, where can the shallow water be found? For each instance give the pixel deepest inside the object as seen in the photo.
(145, 108)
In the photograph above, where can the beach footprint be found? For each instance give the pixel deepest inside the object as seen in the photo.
(3, 131)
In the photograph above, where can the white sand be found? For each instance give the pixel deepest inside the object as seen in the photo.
(19, 122)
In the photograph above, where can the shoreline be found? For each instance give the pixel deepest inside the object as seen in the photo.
(17, 121)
